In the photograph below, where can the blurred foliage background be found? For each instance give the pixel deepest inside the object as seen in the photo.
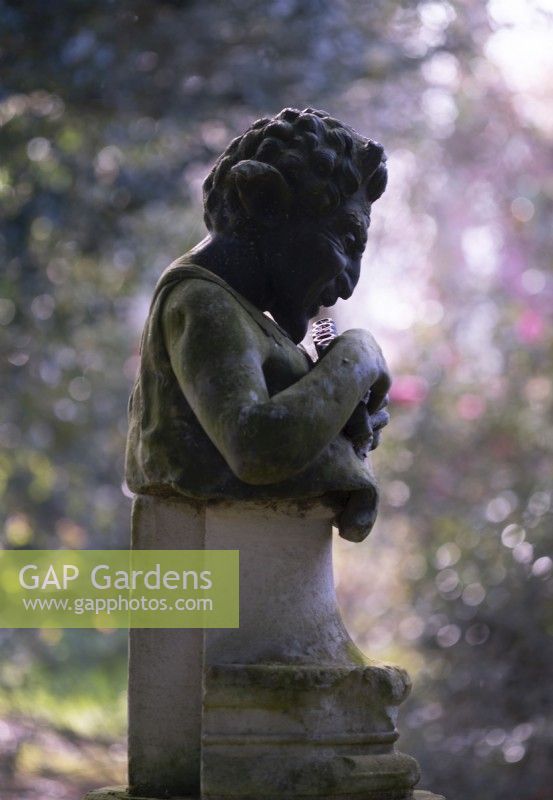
(111, 114)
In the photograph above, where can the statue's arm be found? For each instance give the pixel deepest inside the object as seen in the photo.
(217, 356)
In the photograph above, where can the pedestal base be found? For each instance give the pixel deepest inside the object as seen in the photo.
(121, 793)
(281, 708)
(285, 731)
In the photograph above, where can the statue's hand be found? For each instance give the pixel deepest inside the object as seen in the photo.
(378, 421)
(369, 417)
(370, 356)
(363, 429)
(356, 521)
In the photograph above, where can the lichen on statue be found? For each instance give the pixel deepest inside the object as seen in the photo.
(227, 405)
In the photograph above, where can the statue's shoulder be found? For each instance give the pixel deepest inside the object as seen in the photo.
(188, 289)
(198, 294)
(187, 293)
(195, 289)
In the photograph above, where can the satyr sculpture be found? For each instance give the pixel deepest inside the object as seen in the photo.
(238, 438)
(226, 405)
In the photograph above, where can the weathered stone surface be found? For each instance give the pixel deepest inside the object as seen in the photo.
(239, 440)
(288, 607)
(121, 793)
(421, 795)
(112, 793)
(289, 700)
(165, 669)
(291, 730)
(225, 404)
(317, 773)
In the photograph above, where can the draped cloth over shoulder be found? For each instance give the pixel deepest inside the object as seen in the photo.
(169, 453)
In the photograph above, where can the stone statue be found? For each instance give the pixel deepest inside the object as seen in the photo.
(239, 439)
(227, 405)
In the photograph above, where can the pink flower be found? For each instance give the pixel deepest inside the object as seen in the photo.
(471, 406)
(530, 326)
(408, 390)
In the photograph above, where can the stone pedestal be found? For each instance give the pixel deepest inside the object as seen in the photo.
(165, 669)
(284, 706)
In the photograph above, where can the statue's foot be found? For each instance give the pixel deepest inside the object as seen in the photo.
(357, 519)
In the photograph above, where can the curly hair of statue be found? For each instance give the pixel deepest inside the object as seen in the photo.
(319, 160)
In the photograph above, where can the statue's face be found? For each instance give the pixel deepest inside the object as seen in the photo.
(316, 261)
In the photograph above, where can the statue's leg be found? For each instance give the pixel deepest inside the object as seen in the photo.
(165, 669)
